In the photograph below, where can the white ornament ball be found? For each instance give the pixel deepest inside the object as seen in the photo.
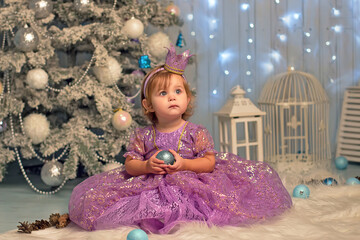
(158, 45)
(37, 78)
(51, 173)
(111, 166)
(133, 28)
(121, 120)
(109, 74)
(36, 127)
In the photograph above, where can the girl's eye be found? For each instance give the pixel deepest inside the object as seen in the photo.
(162, 93)
(178, 91)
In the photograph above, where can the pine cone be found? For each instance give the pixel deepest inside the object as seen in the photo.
(24, 227)
(40, 224)
(64, 220)
(54, 219)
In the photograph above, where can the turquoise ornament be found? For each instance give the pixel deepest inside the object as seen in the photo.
(329, 181)
(301, 191)
(137, 234)
(341, 162)
(352, 181)
(166, 156)
(180, 42)
(144, 61)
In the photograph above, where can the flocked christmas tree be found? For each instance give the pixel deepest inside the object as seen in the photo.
(71, 71)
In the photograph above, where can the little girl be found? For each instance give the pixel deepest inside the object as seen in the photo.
(202, 185)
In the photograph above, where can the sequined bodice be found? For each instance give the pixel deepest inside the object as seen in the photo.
(195, 142)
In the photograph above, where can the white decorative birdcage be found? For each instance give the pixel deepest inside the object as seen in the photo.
(296, 125)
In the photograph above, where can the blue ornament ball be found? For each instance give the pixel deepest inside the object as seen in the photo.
(301, 191)
(329, 181)
(137, 234)
(352, 181)
(341, 162)
(166, 156)
(144, 61)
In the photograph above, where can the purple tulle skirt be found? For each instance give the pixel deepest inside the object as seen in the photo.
(237, 192)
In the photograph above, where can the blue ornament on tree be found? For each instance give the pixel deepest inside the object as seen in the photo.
(301, 191)
(144, 61)
(166, 156)
(137, 234)
(341, 162)
(329, 181)
(352, 181)
(180, 42)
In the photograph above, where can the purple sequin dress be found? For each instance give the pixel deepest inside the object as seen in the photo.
(237, 192)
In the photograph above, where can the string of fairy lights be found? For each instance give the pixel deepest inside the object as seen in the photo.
(276, 58)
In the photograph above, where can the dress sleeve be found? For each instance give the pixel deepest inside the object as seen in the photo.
(136, 146)
(204, 142)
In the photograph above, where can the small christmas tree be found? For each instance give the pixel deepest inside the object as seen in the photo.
(71, 70)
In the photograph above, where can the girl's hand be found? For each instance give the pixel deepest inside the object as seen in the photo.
(155, 166)
(179, 164)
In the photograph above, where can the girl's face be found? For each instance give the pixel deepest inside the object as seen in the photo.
(170, 102)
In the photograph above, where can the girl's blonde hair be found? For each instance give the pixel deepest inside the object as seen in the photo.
(161, 80)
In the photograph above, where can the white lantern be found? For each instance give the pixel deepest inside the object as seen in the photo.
(296, 125)
(240, 126)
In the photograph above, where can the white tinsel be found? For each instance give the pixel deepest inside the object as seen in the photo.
(158, 44)
(36, 127)
(109, 74)
(37, 78)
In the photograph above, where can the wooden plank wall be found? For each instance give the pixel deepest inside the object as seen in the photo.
(231, 30)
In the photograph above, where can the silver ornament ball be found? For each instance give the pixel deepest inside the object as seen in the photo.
(3, 126)
(51, 173)
(82, 5)
(42, 8)
(26, 39)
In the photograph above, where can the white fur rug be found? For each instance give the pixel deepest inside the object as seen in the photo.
(329, 213)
